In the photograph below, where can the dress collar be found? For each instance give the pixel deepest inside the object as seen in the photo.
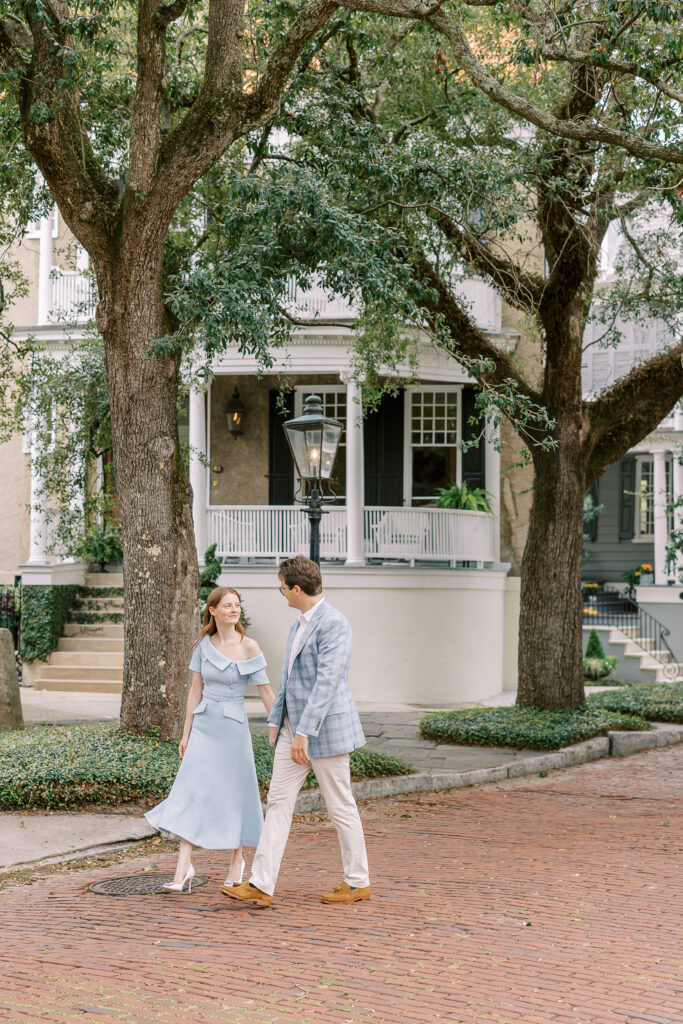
(245, 667)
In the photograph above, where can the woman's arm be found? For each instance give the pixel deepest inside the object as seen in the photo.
(267, 696)
(193, 699)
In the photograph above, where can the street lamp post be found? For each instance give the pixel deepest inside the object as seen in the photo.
(313, 440)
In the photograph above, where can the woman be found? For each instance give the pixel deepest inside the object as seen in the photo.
(214, 802)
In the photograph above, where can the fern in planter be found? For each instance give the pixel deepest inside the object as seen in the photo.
(101, 546)
(464, 497)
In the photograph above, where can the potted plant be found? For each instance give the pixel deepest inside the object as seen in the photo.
(464, 497)
(596, 665)
(102, 546)
(632, 577)
(647, 577)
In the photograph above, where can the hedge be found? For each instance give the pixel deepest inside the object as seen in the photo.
(525, 728)
(655, 702)
(44, 611)
(58, 768)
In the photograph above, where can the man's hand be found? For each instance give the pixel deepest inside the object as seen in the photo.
(272, 733)
(300, 749)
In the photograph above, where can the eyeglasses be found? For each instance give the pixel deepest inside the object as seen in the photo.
(282, 590)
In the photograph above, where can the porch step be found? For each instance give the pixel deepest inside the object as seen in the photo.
(95, 673)
(86, 604)
(636, 660)
(104, 579)
(93, 629)
(86, 659)
(80, 685)
(96, 616)
(91, 643)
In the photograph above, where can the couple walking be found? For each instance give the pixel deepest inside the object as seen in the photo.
(214, 802)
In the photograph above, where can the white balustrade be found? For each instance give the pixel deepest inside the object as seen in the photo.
(74, 296)
(404, 534)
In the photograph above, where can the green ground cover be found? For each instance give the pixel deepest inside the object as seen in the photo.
(526, 728)
(656, 702)
(63, 768)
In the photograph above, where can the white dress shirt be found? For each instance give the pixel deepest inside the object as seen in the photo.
(304, 620)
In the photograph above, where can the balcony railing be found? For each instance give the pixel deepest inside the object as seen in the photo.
(74, 299)
(389, 534)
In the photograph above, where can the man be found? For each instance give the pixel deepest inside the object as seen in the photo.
(313, 722)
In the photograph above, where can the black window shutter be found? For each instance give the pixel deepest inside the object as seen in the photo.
(280, 464)
(627, 497)
(592, 524)
(383, 453)
(474, 459)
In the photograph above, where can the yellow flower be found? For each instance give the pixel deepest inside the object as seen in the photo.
(646, 568)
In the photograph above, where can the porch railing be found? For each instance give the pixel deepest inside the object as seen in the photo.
(74, 296)
(403, 534)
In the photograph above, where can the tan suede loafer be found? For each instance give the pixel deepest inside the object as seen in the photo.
(247, 894)
(345, 894)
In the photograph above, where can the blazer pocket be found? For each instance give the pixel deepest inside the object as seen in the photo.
(338, 708)
(235, 713)
(200, 707)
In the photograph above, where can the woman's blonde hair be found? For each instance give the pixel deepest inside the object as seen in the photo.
(209, 626)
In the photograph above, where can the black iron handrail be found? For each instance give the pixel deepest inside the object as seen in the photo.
(641, 628)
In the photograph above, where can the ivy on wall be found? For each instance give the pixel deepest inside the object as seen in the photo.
(44, 610)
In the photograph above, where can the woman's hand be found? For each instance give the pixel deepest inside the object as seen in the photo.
(182, 746)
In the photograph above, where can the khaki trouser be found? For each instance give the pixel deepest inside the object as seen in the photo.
(334, 779)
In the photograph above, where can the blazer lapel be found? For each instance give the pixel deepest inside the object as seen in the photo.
(290, 641)
(312, 625)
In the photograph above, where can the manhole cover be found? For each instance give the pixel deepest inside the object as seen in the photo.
(148, 884)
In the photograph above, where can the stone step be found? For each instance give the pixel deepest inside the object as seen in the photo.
(100, 592)
(91, 643)
(104, 579)
(94, 630)
(96, 673)
(87, 659)
(95, 616)
(80, 685)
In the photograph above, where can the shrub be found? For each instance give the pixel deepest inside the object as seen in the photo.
(473, 499)
(44, 610)
(102, 545)
(53, 768)
(523, 727)
(598, 668)
(657, 702)
(594, 648)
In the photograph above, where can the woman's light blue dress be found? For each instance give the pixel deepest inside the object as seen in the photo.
(214, 802)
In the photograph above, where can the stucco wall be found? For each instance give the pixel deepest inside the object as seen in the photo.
(432, 638)
(14, 517)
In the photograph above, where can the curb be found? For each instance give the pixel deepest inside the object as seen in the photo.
(615, 744)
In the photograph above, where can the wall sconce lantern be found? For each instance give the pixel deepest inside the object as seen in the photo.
(234, 415)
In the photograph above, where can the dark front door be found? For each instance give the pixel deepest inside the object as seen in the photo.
(280, 464)
(383, 434)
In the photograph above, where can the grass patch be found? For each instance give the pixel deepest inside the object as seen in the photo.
(63, 768)
(525, 728)
(657, 702)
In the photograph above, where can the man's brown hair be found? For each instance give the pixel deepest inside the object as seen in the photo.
(301, 572)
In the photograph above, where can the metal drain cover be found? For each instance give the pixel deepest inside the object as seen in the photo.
(149, 884)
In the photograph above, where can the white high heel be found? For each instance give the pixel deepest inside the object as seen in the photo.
(179, 886)
(230, 881)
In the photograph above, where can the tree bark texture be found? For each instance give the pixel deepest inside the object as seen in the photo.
(161, 577)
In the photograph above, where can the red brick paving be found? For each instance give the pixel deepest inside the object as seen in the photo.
(537, 900)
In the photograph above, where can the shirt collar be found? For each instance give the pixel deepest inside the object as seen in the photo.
(307, 616)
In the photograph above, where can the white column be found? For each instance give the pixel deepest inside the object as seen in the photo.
(660, 518)
(355, 472)
(197, 470)
(44, 270)
(37, 555)
(492, 481)
(678, 512)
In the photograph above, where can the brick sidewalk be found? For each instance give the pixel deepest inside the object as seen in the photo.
(536, 900)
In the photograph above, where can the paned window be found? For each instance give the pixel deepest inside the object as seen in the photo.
(433, 438)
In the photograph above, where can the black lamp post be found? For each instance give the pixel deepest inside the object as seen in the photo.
(313, 440)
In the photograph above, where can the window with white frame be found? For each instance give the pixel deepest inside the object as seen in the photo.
(433, 429)
(33, 227)
(334, 406)
(644, 525)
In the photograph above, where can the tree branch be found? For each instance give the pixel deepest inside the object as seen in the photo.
(632, 408)
(579, 130)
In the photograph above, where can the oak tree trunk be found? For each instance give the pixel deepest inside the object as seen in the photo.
(160, 572)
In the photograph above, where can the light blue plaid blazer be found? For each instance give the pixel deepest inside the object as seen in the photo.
(316, 694)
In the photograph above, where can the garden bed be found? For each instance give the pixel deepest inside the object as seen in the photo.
(527, 728)
(63, 768)
(657, 702)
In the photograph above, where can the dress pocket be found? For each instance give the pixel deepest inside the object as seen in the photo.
(200, 707)
(237, 714)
